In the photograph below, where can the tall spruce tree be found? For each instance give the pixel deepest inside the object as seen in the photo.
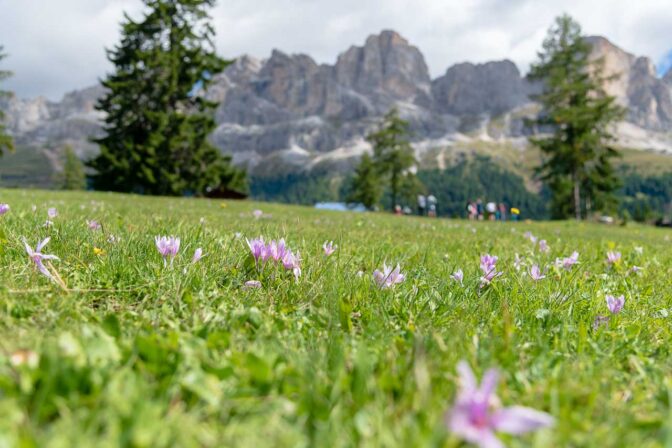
(578, 153)
(73, 177)
(157, 124)
(366, 187)
(6, 142)
(392, 152)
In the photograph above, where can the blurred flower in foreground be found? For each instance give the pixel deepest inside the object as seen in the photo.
(568, 262)
(93, 224)
(543, 246)
(24, 358)
(329, 248)
(252, 284)
(615, 304)
(37, 256)
(52, 213)
(168, 246)
(198, 254)
(4, 208)
(613, 257)
(388, 277)
(458, 276)
(535, 273)
(98, 251)
(477, 413)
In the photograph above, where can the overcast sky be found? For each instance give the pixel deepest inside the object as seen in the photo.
(55, 46)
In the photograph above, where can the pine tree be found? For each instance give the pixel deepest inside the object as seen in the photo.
(366, 187)
(392, 151)
(6, 142)
(73, 172)
(157, 124)
(577, 165)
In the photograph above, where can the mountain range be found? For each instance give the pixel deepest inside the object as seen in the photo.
(289, 112)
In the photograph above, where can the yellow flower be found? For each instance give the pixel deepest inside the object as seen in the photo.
(98, 251)
(515, 211)
(223, 205)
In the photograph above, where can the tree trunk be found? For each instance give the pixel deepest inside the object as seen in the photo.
(577, 197)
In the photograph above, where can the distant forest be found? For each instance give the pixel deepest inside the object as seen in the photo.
(642, 198)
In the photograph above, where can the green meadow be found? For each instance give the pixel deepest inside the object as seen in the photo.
(123, 349)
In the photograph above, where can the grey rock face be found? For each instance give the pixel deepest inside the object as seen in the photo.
(469, 89)
(290, 107)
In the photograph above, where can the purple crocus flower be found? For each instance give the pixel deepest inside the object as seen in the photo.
(489, 268)
(458, 276)
(476, 416)
(543, 247)
(37, 256)
(388, 277)
(528, 235)
(568, 262)
(275, 250)
(613, 257)
(252, 284)
(257, 214)
(292, 262)
(257, 247)
(4, 208)
(535, 273)
(329, 248)
(167, 246)
(93, 224)
(615, 304)
(52, 213)
(198, 254)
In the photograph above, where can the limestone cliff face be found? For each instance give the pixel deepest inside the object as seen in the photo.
(635, 84)
(290, 107)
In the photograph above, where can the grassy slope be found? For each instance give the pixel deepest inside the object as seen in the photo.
(141, 355)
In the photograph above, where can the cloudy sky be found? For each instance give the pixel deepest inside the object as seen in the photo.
(55, 46)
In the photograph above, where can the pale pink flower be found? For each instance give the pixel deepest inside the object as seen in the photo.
(543, 246)
(198, 254)
(257, 214)
(37, 256)
(93, 224)
(458, 276)
(613, 257)
(167, 247)
(388, 277)
(477, 414)
(329, 248)
(535, 273)
(257, 247)
(568, 262)
(615, 304)
(4, 208)
(489, 268)
(52, 213)
(252, 284)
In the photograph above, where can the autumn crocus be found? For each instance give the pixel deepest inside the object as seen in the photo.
(615, 304)
(329, 248)
(37, 256)
(168, 246)
(292, 262)
(4, 208)
(458, 276)
(476, 416)
(613, 257)
(52, 213)
(257, 247)
(388, 277)
(544, 247)
(568, 262)
(93, 224)
(489, 268)
(198, 254)
(535, 273)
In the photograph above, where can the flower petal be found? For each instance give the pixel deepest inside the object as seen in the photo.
(520, 419)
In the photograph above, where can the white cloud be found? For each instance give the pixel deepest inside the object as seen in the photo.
(57, 45)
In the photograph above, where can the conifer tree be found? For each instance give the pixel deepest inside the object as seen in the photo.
(73, 171)
(6, 142)
(157, 123)
(392, 152)
(366, 188)
(577, 165)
